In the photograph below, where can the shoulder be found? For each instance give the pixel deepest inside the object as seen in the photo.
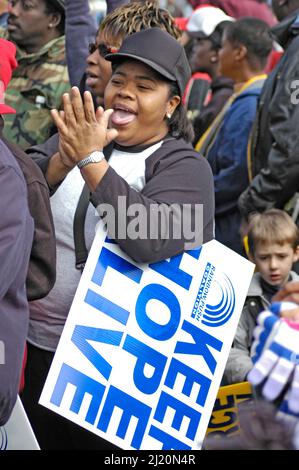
(255, 288)
(177, 152)
(245, 104)
(30, 170)
(11, 175)
(7, 159)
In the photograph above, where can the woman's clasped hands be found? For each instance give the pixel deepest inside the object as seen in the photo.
(81, 129)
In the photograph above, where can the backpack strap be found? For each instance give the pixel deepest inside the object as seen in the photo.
(81, 252)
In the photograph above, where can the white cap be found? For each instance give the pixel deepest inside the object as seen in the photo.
(204, 20)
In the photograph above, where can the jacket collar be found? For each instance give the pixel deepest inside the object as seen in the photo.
(255, 289)
(284, 31)
(52, 48)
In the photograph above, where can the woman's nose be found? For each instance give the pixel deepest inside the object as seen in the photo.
(126, 92)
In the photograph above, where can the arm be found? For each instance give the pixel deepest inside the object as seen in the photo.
(80, 30)
(47, 157)
(177, 181)
(239, 362)
(228, 156)
(276, 183)
(42, 266)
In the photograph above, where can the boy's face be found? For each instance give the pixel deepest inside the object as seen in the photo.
(274, 262)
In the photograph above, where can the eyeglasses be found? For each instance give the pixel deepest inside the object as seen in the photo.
(102, 48)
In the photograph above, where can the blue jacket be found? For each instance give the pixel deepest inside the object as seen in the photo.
(228, 159)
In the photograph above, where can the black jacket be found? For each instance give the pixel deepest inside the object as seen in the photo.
(274, 154)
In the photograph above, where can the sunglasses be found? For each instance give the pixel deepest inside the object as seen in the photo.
(102, 49)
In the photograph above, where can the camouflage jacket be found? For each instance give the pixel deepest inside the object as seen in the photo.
(37, 85)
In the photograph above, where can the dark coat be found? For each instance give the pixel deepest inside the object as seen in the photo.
(274, 156)
(16, 234)
(42, 266)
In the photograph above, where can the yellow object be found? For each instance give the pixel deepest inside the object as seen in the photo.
(225, 416)
(246, 245)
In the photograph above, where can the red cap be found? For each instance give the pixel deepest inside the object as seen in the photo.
(181, 23)
(7, 64)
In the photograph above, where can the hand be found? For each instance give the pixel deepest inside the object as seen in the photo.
(81, 130)
(289, 409)
(290, 293)
(276, 357)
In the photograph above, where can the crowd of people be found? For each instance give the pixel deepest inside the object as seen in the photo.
(163, 112)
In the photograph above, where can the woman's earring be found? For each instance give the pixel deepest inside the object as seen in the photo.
(168, 115)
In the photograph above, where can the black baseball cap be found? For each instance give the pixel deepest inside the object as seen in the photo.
(160, 51)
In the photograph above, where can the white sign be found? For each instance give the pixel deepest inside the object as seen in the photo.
(17, 434)
(144, 347)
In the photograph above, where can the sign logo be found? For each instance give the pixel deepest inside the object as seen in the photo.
(205, 309)
(3, 439)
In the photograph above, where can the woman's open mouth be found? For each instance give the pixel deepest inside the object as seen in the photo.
(122, 115)
(91, 79)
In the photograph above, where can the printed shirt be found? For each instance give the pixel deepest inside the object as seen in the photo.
(36, 87)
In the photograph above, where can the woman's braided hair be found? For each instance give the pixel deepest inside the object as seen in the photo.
(134, 17)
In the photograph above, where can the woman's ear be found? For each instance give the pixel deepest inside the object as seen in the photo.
(172, 105)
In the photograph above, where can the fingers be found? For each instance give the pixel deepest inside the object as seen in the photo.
(89, 108)
(75, 110)
(59, 121)
(289, 292)
(292, 315)
(111, 135)
(103, 117)
(278, 379)
(267, 319)
(262, 367)
(77, 106)
(294, 392)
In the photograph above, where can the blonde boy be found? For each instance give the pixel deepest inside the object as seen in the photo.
(273, 240)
